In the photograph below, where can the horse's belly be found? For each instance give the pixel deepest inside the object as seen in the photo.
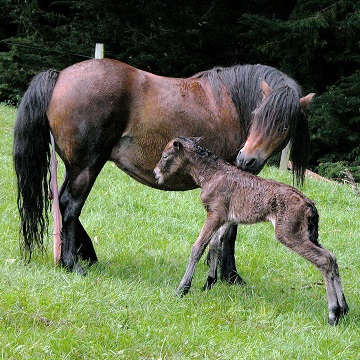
(137, 163)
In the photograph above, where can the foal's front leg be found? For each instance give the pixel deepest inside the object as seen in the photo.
(209, 229)
(216, 247)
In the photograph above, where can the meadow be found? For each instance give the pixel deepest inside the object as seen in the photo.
(126, 308)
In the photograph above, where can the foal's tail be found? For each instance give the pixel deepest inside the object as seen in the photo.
(313, 225)
(31, 153)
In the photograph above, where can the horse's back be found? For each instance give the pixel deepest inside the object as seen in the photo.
(110, 109)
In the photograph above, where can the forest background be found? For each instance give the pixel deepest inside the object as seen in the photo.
(316, 42)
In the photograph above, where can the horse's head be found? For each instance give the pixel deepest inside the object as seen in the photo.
(274, 122)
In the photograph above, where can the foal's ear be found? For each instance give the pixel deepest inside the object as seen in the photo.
(305, 101)
(178, 145)
(265, 88)
(196, 140)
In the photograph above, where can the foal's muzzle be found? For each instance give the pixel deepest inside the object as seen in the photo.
(158, 177)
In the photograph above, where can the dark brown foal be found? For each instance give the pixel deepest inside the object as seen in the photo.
(232, 196)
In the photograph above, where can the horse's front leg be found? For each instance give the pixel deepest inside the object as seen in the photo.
(228, 270)
(209, 229)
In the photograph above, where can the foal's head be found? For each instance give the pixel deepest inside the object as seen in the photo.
(174, 157)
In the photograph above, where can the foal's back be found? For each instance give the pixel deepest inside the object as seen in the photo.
(245, 198)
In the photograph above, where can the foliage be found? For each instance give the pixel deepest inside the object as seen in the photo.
(316, 42)
(336, 122)
(318, 45)
(339, 170)
(125, 307)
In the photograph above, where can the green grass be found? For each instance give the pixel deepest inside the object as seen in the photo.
(125, 307)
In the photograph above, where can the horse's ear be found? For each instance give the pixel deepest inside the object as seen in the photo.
(265, 88)
(305, 101)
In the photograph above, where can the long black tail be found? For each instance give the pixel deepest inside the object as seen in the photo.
(31, 153)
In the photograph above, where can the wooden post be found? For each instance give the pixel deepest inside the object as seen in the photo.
(99, 51)
(55, 205)
(285, 156)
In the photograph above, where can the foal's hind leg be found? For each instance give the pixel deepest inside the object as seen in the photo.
(326, 262)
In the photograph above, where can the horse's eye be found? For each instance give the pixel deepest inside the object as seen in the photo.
(165, 157)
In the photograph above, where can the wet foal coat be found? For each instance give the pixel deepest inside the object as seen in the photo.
(230, 196)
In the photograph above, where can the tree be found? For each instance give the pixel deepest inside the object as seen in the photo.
(314, 41)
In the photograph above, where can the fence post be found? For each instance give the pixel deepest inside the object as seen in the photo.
(99, 51)
(285, 156)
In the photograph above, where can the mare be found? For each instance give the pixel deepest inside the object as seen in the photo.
(105, 110)
(231, 195)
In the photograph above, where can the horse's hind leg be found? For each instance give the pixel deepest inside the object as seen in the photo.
(84, 245)
(326, 262)
(75, 241)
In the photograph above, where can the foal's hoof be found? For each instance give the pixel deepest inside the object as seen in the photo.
(180, 292)
(335, 315)
(233, 278)
(210, 282)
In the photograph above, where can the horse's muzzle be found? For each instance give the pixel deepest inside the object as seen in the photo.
(250, 164)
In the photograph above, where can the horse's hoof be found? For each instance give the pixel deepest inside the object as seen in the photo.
(233, 278)
(79, 270)
(74, 268)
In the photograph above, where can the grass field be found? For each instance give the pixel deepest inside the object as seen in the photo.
(126, 308)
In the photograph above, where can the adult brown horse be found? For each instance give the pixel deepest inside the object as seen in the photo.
(100, 110)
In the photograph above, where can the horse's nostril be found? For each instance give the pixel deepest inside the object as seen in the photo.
(250, 163)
